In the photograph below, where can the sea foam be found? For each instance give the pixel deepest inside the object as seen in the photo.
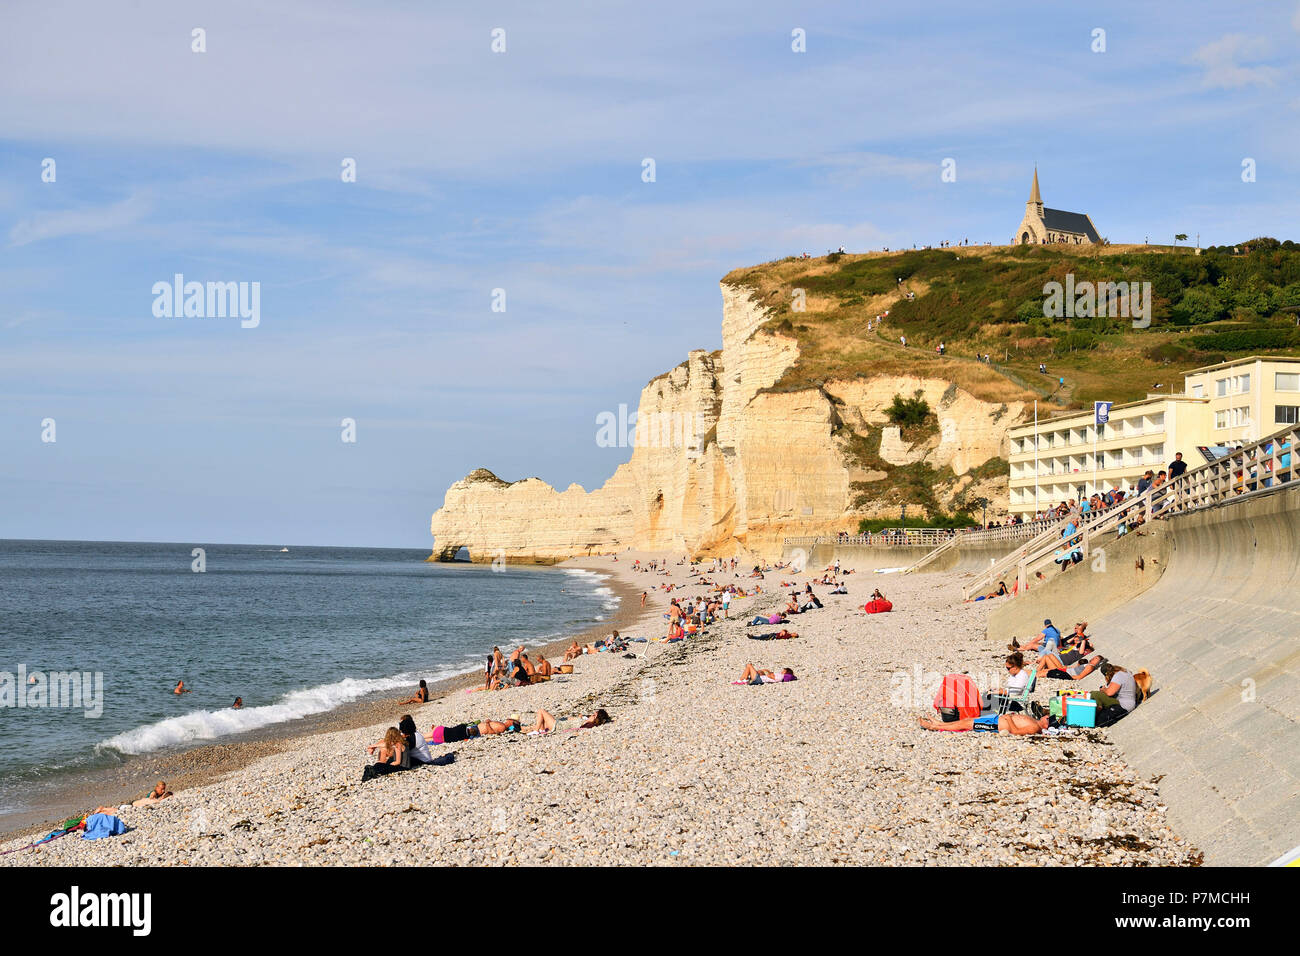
(201, 725)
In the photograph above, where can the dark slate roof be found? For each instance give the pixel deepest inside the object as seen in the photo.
(1059, 220)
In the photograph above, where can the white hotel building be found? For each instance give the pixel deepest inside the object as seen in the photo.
(1233, 403)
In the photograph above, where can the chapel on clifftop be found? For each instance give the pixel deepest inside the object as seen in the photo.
(1042, 225)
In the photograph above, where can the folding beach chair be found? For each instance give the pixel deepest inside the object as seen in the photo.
(1004, 702)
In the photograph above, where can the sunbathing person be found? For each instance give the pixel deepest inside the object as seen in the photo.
(752, 675)
(543, 666)
(575, 650)
(1017, 683)
(1053, 667)
(421, 695)
(485, 728)
(392, 754)
(546, 722)
(158, 794)
(773, 618)
(1019, 725)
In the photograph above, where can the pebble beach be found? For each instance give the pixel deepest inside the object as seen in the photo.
(829, 769)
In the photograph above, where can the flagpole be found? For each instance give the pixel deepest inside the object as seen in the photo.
(1035, 458)
(1095, 429)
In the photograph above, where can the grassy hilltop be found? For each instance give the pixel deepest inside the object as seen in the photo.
(1226, 302)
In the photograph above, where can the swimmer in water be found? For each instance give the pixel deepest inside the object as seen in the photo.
(180, 688)
(239, 702)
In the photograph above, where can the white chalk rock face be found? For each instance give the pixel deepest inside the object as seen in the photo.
(722, 464)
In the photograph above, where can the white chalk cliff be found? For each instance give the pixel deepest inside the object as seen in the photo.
(767, 464)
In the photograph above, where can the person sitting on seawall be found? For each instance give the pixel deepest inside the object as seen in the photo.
(421, 695)
(158, 794)
(1053, 668)
(752, 675)
(391, 755)
(1047, 641)
(1019, 725)
(1121, 695)
(1017, 681)
(546, 722)
(486, 728)
(1074, 648)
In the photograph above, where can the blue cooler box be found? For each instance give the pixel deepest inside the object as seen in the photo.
(1080, 712)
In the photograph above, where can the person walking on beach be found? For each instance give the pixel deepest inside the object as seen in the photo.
(643, 597)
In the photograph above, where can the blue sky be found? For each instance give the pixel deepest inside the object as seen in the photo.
(522, 170)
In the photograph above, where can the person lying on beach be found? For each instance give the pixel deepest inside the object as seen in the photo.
(546, 722)
(1019, 725)
(391, 753)
(180, 688)
(421, 696)
(484, 728)
(1053, 667)
(774, 618)
(158, 794)
(781, 635)
(752, 675)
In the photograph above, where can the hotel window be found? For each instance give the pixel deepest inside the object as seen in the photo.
(1287, 381)
(1241, 384)
(1221, 387)
(1286, 414)
(1240, 416)
(1198, 391)
(1220, 419)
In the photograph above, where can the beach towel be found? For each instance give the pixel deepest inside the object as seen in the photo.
(100, 825)
(958, 695)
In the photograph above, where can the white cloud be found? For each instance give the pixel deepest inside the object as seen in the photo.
(1222, 60)
(80, 222)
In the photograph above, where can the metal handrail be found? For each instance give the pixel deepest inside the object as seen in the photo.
(1253, 469)
(1052, 533)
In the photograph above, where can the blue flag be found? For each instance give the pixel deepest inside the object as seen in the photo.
(1102, 411)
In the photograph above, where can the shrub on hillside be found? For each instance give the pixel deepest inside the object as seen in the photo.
(908, 412)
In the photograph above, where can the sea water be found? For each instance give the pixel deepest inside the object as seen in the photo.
(293, 633)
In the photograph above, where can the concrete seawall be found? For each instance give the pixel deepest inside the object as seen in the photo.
(862, 557)
(1215, 617)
